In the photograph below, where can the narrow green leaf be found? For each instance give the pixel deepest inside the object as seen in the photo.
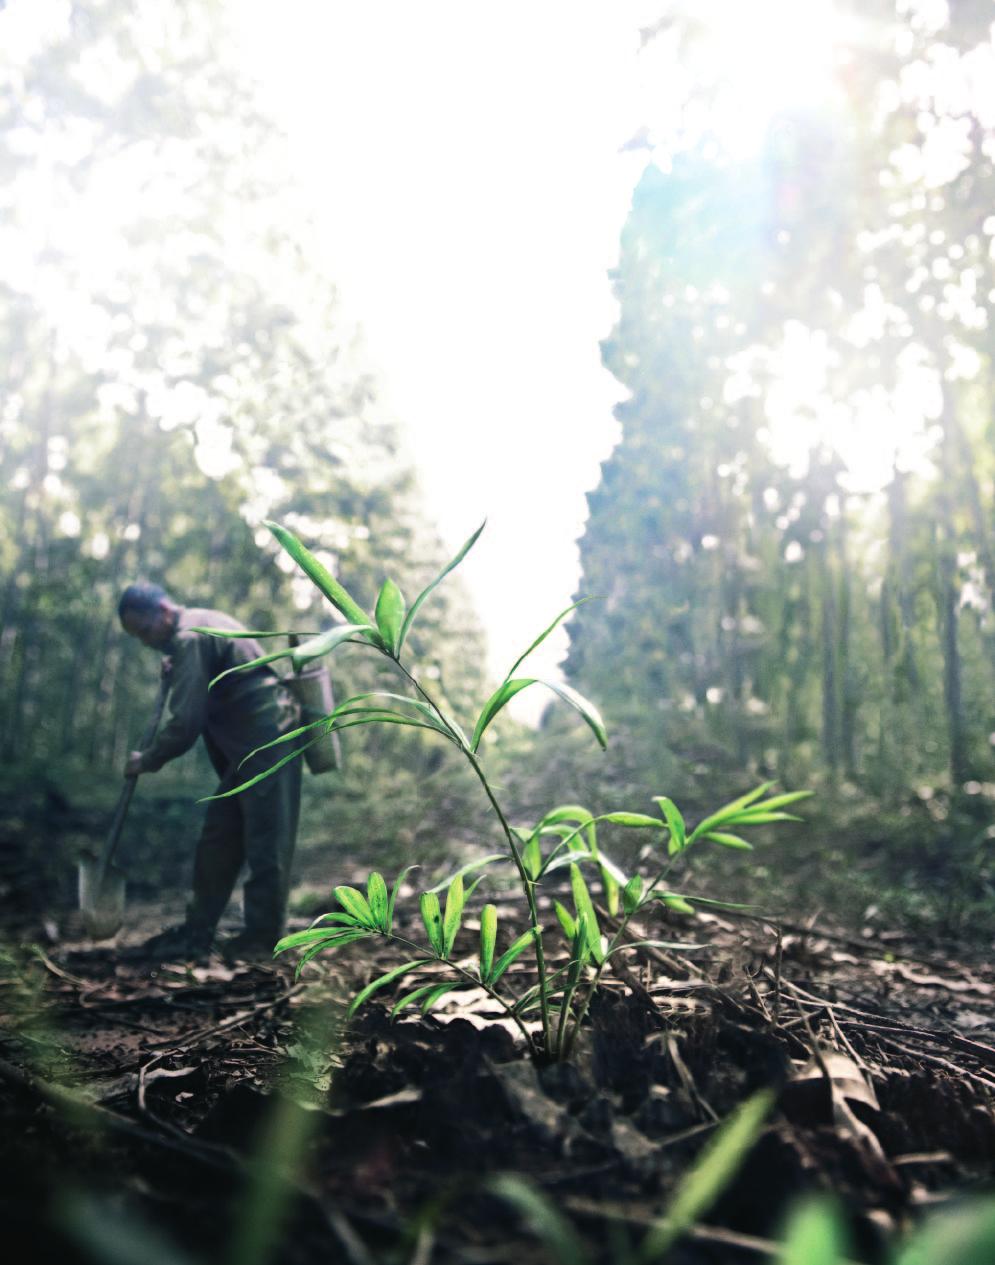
(252, 663)
(454, 914)
(376, 897)
(815, 1236)
(319, 575)
(961, 1236)
(411, 999)
(255, 635)
(566, 920)
(488, 938)
(612, 888)
(511, 953)
(543, 635)
(394, 973)
(354, 902)
(325, 721)
(389, 613)
(673, 900)
(633, 819)
(469, 868)
(416, 605)
(432, 918)
(312, 936)
(704, 1181)
(587, 710)
(759, 819)
(532, 857)
(393, 893)
(729, 841)
(673, 818)
(345, 919)
(436, 995)
(345, 937)
(237, 790)
(632, 894)
(584, 905)
(681, 945)
(325, 643)
(499, 699)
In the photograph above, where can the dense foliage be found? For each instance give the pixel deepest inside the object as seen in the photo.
(774, 597)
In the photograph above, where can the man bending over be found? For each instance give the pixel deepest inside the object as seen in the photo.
(258, 827)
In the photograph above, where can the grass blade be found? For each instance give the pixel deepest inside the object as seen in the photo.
(469, 868)
(509, 955)
(325, 643)
(678, 830)
(542, 1217)
(354, 902)
(500, 698)
(702, 1184)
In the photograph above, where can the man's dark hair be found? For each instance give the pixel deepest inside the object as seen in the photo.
(143, 599)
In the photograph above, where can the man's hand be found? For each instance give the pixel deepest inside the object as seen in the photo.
(133, 765)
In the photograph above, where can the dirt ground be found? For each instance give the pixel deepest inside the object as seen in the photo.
(183, 1112)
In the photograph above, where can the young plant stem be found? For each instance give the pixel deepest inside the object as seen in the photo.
(571, 1036)
(528, 886)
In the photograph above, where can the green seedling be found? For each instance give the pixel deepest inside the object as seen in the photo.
(565, 838)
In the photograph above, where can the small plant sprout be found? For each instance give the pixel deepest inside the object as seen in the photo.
(565, 838)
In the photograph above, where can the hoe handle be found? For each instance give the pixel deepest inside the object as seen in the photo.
(124, 799)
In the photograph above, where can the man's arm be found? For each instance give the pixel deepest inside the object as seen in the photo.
(187, 707)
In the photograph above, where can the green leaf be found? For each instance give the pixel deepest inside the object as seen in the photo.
(394, 973)
(346, 919)
(566, 920)
(761, 818)
(584, 905)
(416, 605)
(500, 698)
(390, 613)
(432, 918)
(632, 894)
(436, 994)
(469, 868)
(963, 1236)
(704, 1181)
(729, 841)
(312, 936)
(543, 635)
(354, 902)
(507, 691)
(411, 999)
(288, 737)
(612, 887)
(394, 890)
(321, 576)
(454, 914)
(541, 1216)
(255, 635)
(532, 857)
(237, 790)
(509, 955)
(587, 710)
(346, 937)
(488, 938)
(673, 818)
(633, 819)
(675, 901)
(252, 663)
(376, 896)
(815, 1236)
(325, 643)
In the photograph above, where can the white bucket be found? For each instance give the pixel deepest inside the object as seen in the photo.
(312, 689)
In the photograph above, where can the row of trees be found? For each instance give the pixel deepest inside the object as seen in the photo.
(782, 318)
(175, 373)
